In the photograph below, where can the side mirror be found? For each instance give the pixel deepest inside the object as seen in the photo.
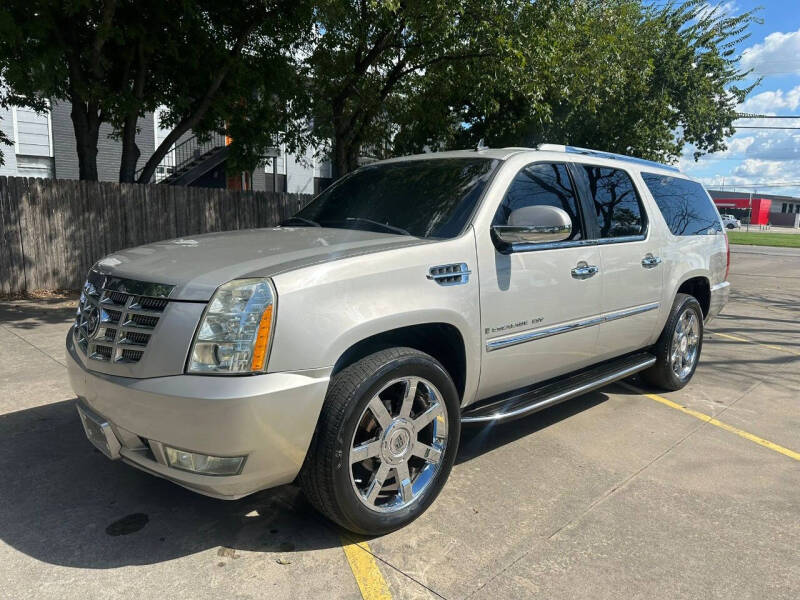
(533, 225)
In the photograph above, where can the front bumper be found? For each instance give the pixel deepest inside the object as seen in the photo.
(268, 418)
(720, 293)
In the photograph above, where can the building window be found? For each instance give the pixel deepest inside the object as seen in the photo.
(783, 207)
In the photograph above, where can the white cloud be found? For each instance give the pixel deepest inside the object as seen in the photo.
(772, 101)
(737, 183)
(765, 170)
(758, 144)
(778, 53)
(774, 145)
(721, 9)
(760, 156)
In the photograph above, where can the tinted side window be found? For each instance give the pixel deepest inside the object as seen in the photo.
(616, 202)
(684, 204)
(541, 184)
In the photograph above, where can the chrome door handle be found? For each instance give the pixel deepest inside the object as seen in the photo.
(650, 261)
(584, 271)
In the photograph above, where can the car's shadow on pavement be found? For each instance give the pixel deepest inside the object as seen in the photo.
(65, 503)
(31, 314)
(477, 439)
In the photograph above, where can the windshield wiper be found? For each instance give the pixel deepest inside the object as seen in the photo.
(303, 220)
(384, 226)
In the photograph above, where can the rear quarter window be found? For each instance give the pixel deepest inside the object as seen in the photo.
(684, 204)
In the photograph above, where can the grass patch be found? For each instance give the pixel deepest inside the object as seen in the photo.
(783, 240)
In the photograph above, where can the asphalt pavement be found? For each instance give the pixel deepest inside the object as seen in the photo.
(623, 493)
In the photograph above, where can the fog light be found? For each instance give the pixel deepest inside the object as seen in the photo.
(203, 463)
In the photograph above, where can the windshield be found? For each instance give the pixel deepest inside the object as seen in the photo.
(424, 198)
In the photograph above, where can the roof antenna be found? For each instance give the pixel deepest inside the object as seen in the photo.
(481, 146)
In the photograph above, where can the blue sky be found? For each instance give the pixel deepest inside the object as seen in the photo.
(756, 156)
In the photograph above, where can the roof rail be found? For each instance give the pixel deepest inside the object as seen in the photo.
(601, 154)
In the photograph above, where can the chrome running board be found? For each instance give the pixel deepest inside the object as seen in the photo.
(529, 400)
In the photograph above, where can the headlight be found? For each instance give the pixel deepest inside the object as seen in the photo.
(234, 333)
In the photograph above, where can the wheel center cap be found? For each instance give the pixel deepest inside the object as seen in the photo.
(397, 441)
(684, 344)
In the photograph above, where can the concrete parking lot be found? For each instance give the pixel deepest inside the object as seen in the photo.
(623, 493)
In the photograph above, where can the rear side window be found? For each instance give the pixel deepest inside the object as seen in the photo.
(684, 204)
(541, 184)
(617, 206)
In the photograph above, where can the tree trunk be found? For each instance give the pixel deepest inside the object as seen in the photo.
(130, 151)
(339, 158)
(86, 124)
(155, 159)
(345, 152)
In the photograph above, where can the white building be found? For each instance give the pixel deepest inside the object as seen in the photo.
(44, 146)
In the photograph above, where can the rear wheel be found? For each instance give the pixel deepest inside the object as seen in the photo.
(678, 347)
(385, 443)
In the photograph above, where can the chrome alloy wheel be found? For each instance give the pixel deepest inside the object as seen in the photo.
(685, 342)
(398, 444)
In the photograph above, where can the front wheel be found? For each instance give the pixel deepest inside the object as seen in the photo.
(678, 347)
(386, 440)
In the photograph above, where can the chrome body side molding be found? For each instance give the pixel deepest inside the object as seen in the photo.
(497, 344)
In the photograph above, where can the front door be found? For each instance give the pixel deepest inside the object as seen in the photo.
(538, 304)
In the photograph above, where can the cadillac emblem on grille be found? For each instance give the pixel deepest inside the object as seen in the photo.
(92, 321)
(116, 317)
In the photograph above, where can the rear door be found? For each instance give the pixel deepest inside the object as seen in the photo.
(631, 261)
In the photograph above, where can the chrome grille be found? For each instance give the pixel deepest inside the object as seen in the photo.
(116, 317)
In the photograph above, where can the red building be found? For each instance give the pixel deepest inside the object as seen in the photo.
(740, 207)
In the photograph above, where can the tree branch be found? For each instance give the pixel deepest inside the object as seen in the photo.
(191, 120)
(103, 32)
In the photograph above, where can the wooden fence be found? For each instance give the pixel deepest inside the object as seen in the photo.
(53, 231)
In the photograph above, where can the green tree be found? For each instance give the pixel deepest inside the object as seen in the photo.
(115, 60)
(366, 54)
(4, 139)
(621, 76)
(236, 73)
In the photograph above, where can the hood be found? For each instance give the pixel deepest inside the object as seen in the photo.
(197, 265)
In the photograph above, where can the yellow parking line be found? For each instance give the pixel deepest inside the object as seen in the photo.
(368, 576)
(712, 421)
(736, 338)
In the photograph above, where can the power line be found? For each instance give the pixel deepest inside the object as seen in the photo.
(761, 185)
(740, 158)
(763, 127)
(757, 116)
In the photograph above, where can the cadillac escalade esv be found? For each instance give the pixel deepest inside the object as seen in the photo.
(347, 347)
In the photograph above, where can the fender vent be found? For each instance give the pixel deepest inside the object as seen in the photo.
(455, 274)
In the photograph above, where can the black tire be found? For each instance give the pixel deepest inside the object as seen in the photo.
(326, 474)
(662, 374)
(731, 226)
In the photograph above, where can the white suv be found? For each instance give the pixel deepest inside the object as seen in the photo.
(347, 347)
